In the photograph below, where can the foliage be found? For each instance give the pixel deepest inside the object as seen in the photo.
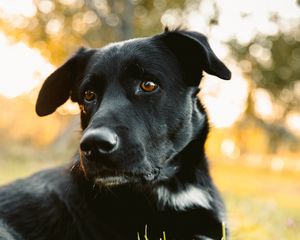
(272, 63)
(61, 26)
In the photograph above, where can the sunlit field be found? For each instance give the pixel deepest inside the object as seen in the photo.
(261, 204)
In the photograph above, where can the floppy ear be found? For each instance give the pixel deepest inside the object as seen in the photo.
(57, 87)
(194, 55)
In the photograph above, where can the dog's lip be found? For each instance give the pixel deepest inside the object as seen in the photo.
(111, 180)
(112, 176)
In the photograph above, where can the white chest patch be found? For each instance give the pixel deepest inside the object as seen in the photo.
(183, 199)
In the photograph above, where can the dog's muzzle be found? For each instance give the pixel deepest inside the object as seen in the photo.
(103, 163)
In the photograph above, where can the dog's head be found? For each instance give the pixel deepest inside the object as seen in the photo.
(138, 103)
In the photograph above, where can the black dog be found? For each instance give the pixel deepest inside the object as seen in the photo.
(141, 160)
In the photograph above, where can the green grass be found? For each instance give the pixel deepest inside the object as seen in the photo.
(146, 235)
(223, 231)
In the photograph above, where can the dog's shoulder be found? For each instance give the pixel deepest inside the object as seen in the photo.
(41, 199)
(36, 186)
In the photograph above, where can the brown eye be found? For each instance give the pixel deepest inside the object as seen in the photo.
(148, 86)
(89, 96)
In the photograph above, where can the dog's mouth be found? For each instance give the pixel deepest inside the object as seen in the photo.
(111, 181)
(112, 178)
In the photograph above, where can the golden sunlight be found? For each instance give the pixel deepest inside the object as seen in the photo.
(24, 68)
(221, 97)
(263, 104)
(293, 122)
(18, 7)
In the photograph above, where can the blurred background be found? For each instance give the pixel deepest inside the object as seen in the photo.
(254, 144)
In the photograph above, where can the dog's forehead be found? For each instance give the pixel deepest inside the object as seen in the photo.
(134, 42)
(128, 47)
(146, 51)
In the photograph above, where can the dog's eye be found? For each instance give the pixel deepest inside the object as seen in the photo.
(89, 95)
(148, 86)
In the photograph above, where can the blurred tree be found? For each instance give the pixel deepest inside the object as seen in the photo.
(273, 63)
(60, 26)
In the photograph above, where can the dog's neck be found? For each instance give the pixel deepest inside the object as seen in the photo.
(189, 187)
(192, 158)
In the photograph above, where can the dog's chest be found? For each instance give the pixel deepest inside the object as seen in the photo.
(118, 217)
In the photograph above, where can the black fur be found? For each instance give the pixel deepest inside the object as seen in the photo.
(141, 159)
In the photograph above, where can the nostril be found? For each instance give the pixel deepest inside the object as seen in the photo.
(87, 143)
(107, 144)
(101, 140)
(86, 147)
(106, 140)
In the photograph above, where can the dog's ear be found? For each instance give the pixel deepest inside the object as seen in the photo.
(194, 55)
(57, 87)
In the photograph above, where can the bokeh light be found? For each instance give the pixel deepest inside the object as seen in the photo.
(24, 68)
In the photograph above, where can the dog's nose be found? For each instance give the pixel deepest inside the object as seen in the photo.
(100, 140)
